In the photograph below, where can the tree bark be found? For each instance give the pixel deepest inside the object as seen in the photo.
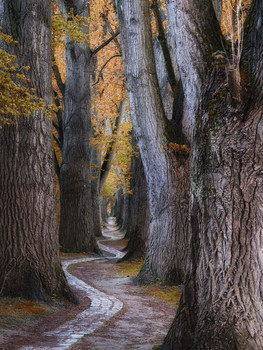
(222, 299)
(168, 189)
(29, 250)
(76, 230)
(139, 214)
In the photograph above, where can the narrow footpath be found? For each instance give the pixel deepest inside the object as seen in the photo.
(113, 315)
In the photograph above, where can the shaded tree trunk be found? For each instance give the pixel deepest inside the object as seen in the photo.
(222, 299)
(95, 177)
(168, 189)
(139, 215)
(29, 250)
(103, 209)
(76, 221)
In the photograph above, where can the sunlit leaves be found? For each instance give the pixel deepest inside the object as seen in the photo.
(17, 97)
(76, 27)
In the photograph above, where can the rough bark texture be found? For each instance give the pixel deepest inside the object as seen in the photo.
(76, 229)
(139, 215)
(168, 189)
(29, 250)
(222, 299)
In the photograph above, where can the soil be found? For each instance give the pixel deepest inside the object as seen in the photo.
(142, 322)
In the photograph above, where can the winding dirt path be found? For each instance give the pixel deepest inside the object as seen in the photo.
(118, 317)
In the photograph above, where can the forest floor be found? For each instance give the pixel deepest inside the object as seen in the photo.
(113, 313)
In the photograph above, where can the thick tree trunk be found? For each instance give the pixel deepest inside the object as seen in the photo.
(168, 188)
(76, 230)
(29, 250)
(222, 299)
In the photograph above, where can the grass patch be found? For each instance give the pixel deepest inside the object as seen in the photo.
(16, 310)
(130, 269)
(170, 295)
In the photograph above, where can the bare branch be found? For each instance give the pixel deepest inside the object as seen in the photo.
(57, 75)
(111, 31)
(105, 43)
(105, 64)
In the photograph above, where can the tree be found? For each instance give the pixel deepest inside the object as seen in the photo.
(29, 251)
(222, 298)
(76, 231)
(78, 194)
(168, 189)
(138, 213)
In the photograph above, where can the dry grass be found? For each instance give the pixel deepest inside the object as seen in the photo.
(16, 310)
(170, 295)
(130, 269)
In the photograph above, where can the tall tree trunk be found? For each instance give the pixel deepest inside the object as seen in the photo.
(138, 213)
(95, 181)
(168, 189)
(29, 250)
(76, 230)
(222, 300)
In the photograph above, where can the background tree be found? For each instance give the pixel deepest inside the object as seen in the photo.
(29, 252)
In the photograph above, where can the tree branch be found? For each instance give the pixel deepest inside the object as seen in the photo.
(56, 164)
(100, 73)
(105, 43)
(111, 31)
(57, 75)
(57, 141)
(162, 38)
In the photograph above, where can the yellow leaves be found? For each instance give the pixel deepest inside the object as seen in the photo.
(76, 27)
(17, 98)
(175, 147)
(232, 22)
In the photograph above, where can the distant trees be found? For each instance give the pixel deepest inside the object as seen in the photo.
(29, 251)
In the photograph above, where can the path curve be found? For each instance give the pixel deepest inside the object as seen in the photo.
(102, 308)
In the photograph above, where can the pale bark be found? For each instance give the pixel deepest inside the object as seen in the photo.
(168, 189)
(29, 250)
(222, 299)
(76, 222)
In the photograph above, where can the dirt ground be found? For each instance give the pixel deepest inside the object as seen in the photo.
(143, 321)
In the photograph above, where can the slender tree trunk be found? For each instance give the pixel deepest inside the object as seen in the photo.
(139, 215)
(95, 180)
(76, 230)
(222, 300)
(168, 189)
(106, 165)
(29, 250)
